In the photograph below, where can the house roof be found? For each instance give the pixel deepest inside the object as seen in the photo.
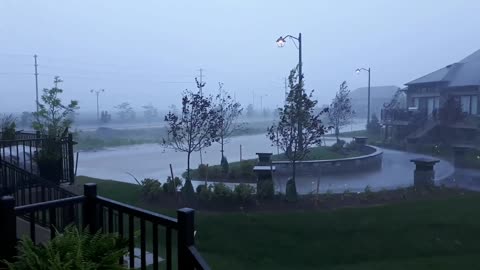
(463, 73)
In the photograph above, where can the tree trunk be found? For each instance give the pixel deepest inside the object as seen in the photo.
(221, 143)
(188, 165)
(294, 167)
(337, 133)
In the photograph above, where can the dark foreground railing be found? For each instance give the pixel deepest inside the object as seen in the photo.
(26, 187)
(23, 152)
(156, 231)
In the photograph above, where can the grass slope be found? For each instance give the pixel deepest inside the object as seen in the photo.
(436, 234)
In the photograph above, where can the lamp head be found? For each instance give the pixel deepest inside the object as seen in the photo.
(358, 71)
(281, 42)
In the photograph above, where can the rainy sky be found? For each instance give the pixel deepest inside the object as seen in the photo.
(147, 52)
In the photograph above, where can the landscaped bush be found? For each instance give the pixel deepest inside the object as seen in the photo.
(222, 192)
(224, 165)
(72, 249)
(338, 146)
(188, 192)
(244, 193)
(151, 188)
(172, 186)
(205, 193)
(291, 191)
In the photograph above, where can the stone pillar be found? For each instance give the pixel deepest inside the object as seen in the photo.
(264, 171)
(424, 174)
(361, 140)
(459, 153)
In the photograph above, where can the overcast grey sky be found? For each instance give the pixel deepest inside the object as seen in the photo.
(149, 51)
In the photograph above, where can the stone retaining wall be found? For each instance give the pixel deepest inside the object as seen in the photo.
(364, 163)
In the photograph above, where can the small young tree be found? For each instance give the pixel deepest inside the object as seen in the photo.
(299, 108)
(194, 127)
(340, 111)
(7, 127)
(53, 117)
(105, 117)
(125, 111)
(52, 120)
(228, 111)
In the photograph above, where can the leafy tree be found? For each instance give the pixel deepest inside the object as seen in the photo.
(194, 127)
(299, 110)
(125, 111)
(7, 127)
(150, 112)
(228, 112)
(54, 117)
(105, 117)
(340, 111)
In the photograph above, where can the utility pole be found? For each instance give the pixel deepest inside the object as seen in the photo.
(97, 93)
(36, 80)
(201, 82)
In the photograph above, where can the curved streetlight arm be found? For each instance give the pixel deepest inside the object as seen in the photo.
(360, 69)
(292, 37)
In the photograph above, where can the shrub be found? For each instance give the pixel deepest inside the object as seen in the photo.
(265, 189)
(72, 249)
(244, 192)
(205, 194)
(150, 188)
(222, 192)
(7, 127)
(338, 146)
(224, 165)
(172, 186)
(188, 192)
(199, 188)
(291, 191)
(202, 171)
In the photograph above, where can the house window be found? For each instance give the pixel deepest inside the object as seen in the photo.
(474, 106)
(469, 104)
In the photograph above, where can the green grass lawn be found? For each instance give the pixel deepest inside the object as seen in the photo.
(435, 234)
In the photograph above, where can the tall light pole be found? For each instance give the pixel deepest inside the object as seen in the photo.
(97, 92)
(368, 108)
(281, 42)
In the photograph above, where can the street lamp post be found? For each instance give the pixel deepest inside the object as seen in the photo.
(281, 42)
(368, 106)
(97, 92)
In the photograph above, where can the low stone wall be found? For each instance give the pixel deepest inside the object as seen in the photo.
(364, 163)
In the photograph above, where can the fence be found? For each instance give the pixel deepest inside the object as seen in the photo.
(24, 149)
(110, 216)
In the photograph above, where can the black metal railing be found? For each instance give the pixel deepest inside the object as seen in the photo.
(24, 150)
(109, 216)
(28, 188)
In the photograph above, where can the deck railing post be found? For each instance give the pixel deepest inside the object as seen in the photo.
(71, 172)
(90, 207)
(8, 227)
(186, 230)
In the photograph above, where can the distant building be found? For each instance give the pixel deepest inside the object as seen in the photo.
(430, 94)
(379, 95)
